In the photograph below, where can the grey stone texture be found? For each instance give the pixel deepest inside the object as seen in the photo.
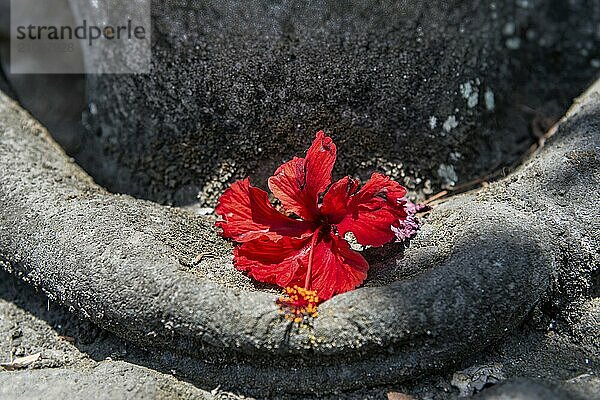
(477, 269)
(436, 92)
(145, 301)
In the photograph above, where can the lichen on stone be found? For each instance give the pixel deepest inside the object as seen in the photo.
(470, 92)
(432, 122)
(450, 123)
(490, 102)
(447, 174)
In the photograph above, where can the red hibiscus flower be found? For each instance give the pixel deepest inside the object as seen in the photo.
(308, 249)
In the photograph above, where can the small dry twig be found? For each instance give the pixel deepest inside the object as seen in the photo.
(539, 125)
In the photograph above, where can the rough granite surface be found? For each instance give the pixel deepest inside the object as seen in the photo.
(497, 297)
(81, 361)
(439, 92)
(483, 263)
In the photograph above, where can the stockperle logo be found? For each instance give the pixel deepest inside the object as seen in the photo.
(80, 36)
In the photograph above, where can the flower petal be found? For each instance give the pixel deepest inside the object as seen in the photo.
(337, 268)
(407, 229)
(281, 262)
(372, 211)
(247, 215)
(336, 200)
(299, 182)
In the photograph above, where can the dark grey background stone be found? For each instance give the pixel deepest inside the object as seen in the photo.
(237, 88)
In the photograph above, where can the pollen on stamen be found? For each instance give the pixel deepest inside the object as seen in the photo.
(298, 303)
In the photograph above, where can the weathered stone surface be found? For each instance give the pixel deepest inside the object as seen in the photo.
(104, 382)
(437, 91)
(525, 390)
(480, 264)
(76, 359)
(70, 347)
